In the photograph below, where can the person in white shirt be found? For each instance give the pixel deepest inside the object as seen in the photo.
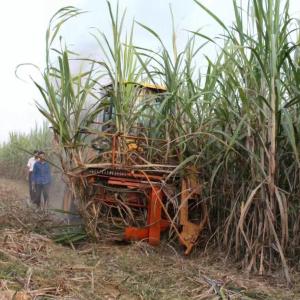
(30, 165)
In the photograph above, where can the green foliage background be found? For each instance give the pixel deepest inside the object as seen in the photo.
(14, 153)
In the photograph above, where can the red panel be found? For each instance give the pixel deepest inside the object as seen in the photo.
(136, 234)
(154, 215)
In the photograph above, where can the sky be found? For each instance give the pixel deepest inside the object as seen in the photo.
(23, 26)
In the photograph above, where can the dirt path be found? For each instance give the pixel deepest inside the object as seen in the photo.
(31, 263)
(18, 190)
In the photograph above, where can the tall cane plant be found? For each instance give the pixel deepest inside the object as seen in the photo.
(255, 87)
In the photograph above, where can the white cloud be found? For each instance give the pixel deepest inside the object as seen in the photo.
(23, 25)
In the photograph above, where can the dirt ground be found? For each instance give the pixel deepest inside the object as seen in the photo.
(33, 266)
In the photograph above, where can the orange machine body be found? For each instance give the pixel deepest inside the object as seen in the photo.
(149, 185)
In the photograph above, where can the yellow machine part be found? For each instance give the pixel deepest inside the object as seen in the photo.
(190, 189)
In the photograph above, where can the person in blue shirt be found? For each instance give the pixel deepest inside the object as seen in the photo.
(41, 179)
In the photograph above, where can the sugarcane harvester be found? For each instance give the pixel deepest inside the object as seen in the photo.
(147, 198)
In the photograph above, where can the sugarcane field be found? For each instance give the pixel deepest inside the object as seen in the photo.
(150, 150)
